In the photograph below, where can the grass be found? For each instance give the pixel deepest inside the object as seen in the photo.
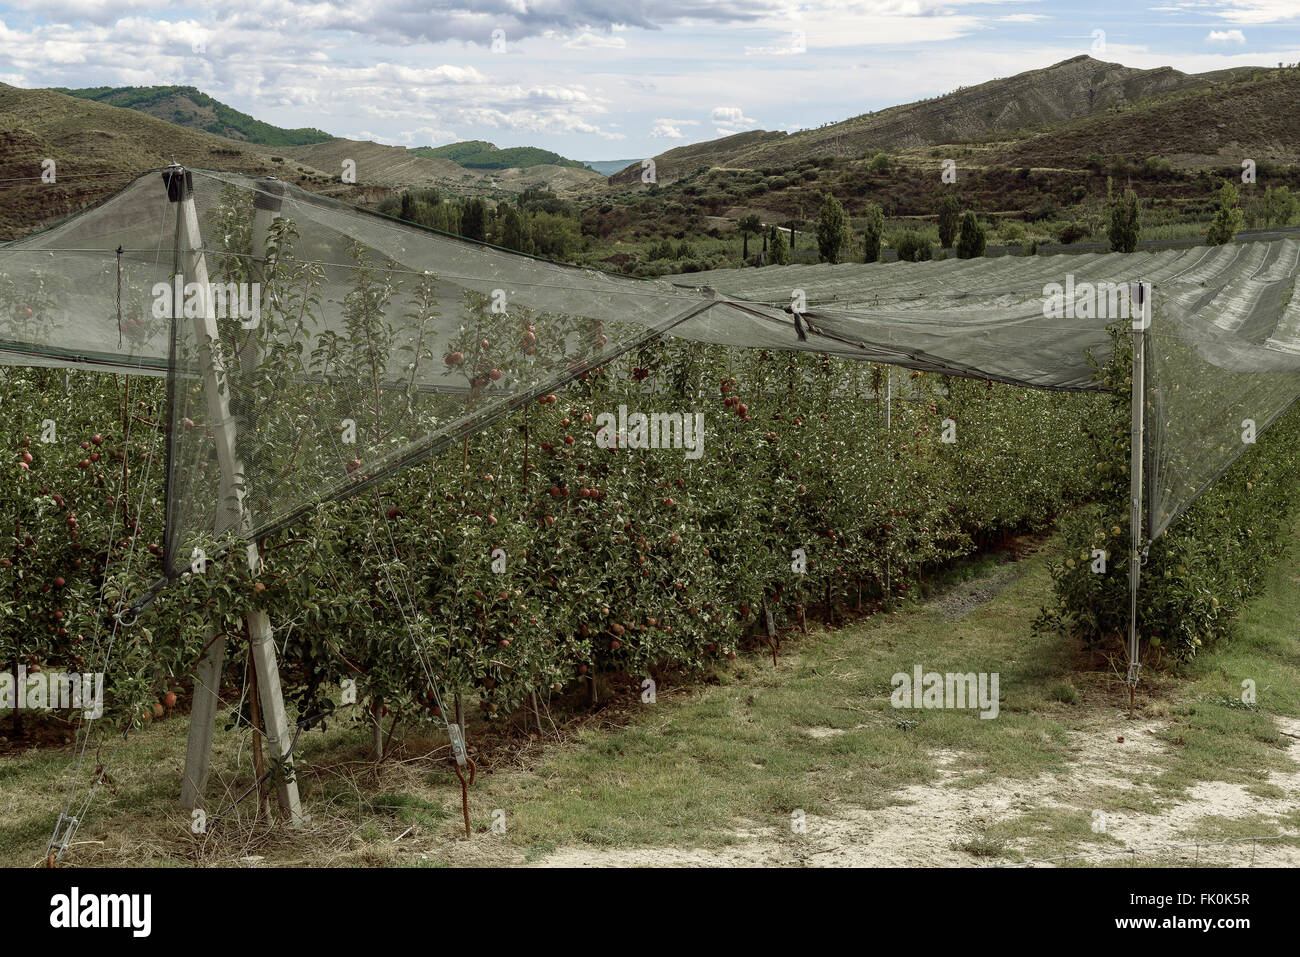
(816, 734)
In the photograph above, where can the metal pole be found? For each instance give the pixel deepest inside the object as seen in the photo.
(233, 514)
(1137, 437)
(888, 396)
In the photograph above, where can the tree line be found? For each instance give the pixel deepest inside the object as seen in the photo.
(962, 231)
(537, 222)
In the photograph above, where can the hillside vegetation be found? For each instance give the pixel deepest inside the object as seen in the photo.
(479, 154)
(193, 109)
(97, 149)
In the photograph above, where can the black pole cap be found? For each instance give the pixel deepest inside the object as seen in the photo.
(269, 194)
(180, 182)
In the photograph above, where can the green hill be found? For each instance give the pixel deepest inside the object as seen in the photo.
(457, 151)
(195, 110)
(477, 154)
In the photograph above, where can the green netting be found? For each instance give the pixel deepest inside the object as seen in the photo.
(1224, 367)
(347, 345)
(1223, 346)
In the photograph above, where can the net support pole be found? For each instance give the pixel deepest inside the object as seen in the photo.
(203, 716)
(269, 690)
(233, 512)
(1141, 303)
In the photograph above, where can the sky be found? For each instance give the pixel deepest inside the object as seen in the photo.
(606, 79)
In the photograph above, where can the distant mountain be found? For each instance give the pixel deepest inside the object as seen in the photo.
(1002, 109)
(609, 167)
(382, 165)
(396, 166)
(1216, 126)
(478, 154)
(682, 160)
(188, 107)
(97, 149)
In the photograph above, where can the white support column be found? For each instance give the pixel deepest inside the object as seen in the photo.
(233, 511)
(889, 395)
(203, 715)
(1141, 307)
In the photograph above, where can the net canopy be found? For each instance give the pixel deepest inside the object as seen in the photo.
(1223, 354)
(313, 348)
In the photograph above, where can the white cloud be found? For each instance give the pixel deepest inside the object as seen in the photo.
(372, 137)
(1255, 11)
(666, 130)
(722, 132)
(1226, 36)
(435, 137)
(590, 41)
(792, 43)
(100, 12)
(1022, 18)
(731, 115)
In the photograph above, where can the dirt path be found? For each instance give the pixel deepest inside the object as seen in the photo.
(1116, 792)
(929, 822)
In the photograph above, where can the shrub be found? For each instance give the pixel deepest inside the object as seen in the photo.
(663, 249)
(1125, 224)
(1199, 573)
(872, 233)
(973, 240)
(778, 248)
(1280, 207)
(1227, 217)
(912, 247)
(832, 230)
(1011, 232)
(949, 220)
(1071, 233)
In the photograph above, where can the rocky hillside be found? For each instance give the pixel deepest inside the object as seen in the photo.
(1009, 108)
(96, 149)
